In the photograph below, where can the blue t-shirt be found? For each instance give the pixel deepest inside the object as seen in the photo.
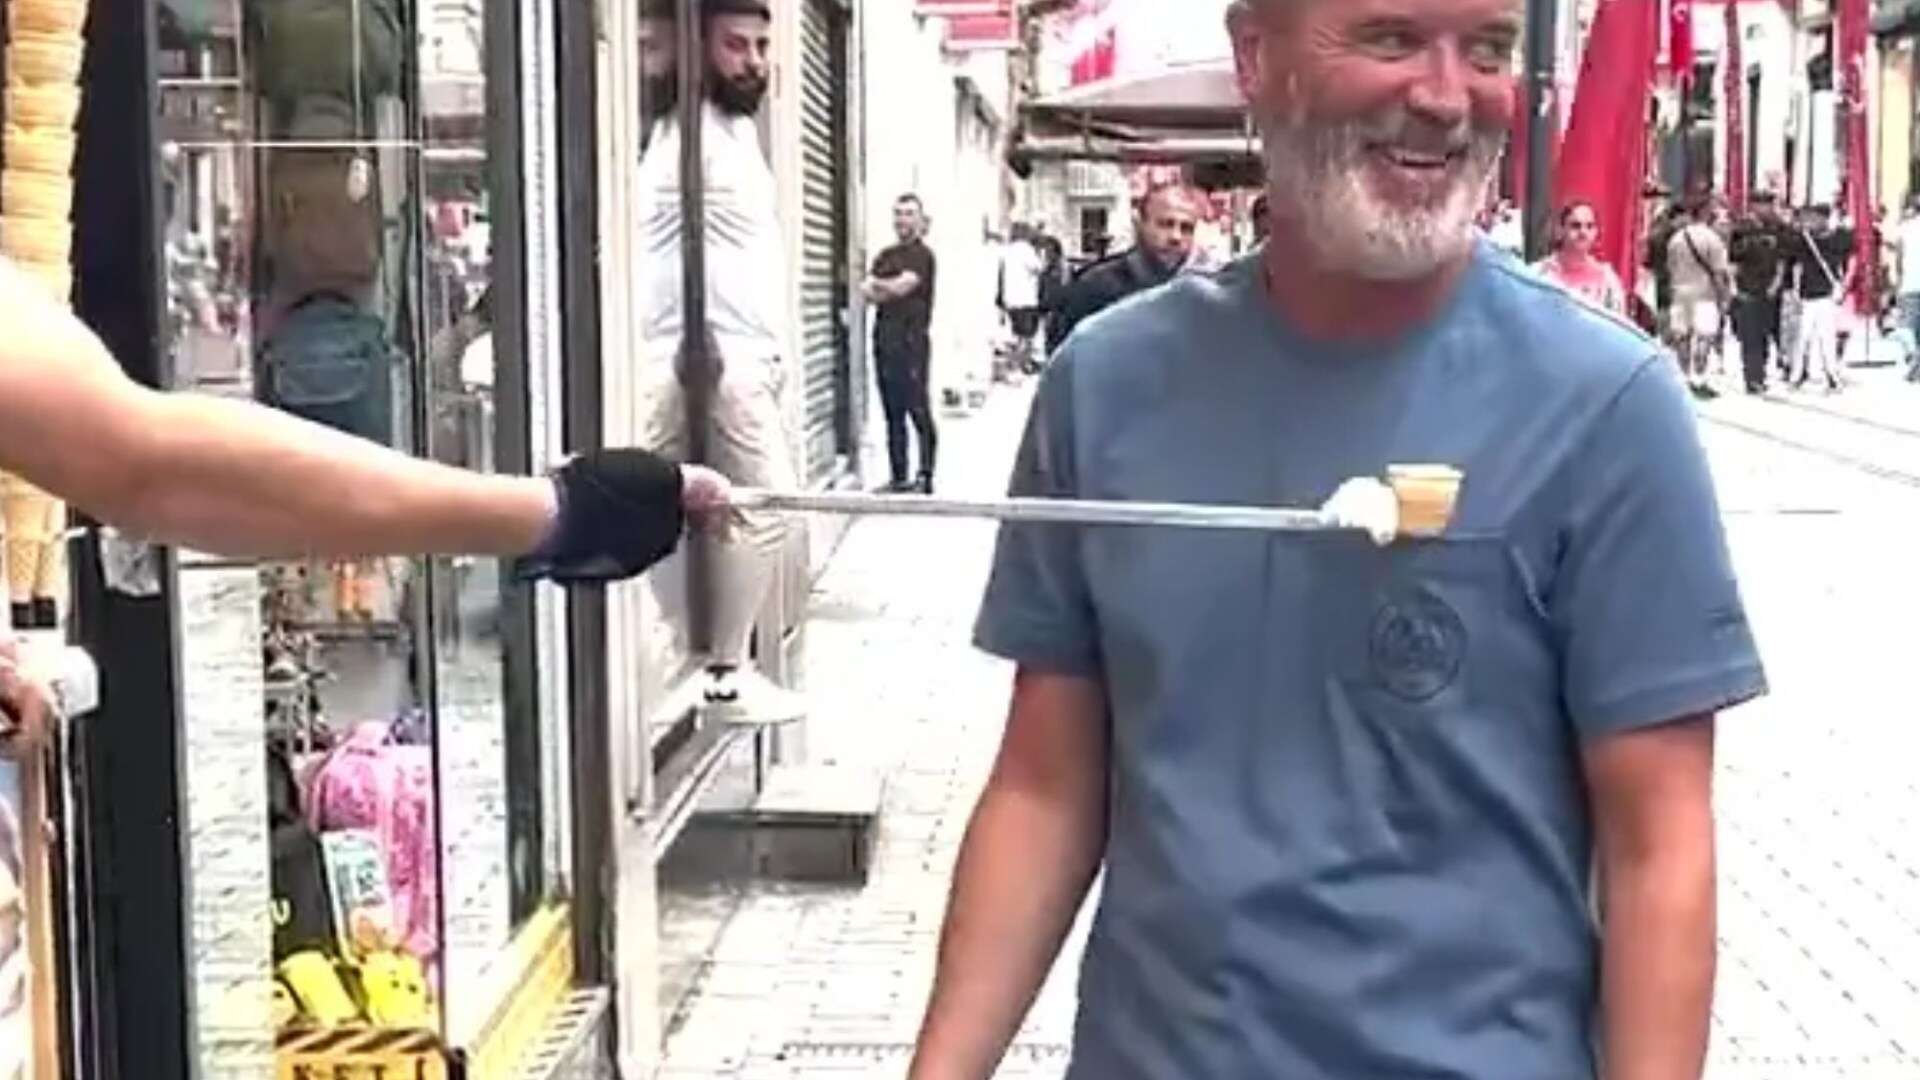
(1348, 833)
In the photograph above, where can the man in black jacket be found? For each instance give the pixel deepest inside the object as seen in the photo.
(901, 289)
(1165, 228)
(1760, 252)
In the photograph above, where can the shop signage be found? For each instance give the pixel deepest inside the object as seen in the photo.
(974, 24)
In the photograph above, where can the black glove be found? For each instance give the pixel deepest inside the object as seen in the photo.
(620, 513)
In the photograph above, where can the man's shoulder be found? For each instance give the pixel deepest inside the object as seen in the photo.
(1146, 337)
(1547, 331)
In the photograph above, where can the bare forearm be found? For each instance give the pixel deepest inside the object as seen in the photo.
(1658, 964)
(1023, 872)
(228, 476)
(236, 478)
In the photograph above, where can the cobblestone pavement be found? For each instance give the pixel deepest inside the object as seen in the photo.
(1820, 910)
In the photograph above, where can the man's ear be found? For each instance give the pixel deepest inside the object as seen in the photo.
(1249, 52)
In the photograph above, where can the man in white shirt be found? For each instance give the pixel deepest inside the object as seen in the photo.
(1702, 279)
(749, 341)
(1021, 268)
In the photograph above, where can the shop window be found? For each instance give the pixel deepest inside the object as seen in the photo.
(329, 206)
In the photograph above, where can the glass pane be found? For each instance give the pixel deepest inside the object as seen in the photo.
(489, 762)
(291, 175)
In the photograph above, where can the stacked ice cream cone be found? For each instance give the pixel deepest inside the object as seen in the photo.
(45, 49)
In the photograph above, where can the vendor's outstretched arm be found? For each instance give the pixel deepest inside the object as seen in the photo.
(233, 477)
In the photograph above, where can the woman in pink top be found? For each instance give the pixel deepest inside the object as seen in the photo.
(1573, 267)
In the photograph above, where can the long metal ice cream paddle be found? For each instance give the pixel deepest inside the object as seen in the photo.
(1416, 501)
(1064, 511)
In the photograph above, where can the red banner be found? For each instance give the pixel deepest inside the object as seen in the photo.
(1098, 61)
(1852, 17)
(1680, 41)
(1735, 72)
(1603, 159)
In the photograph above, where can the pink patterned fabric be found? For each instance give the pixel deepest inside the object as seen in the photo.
(368, 783)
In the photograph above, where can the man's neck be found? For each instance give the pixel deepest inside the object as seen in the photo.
(1152, 262)
(1338, 307)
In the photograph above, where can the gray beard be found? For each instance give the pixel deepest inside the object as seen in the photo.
(1318, 174)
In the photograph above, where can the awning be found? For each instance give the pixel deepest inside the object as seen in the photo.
(1195, 97)
(1188, 115)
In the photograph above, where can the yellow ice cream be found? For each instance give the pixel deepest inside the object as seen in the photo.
(1427, 495)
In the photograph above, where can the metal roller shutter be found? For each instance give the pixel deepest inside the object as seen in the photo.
(824, 347)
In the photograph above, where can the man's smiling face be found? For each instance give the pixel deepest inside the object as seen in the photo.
(1384, 121)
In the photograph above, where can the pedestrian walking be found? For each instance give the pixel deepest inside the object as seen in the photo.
(1021, 268)
(1702, 277)
(1822, 258)
(1573, 266)
(1165, 224)
(1347, 803)
(901, 287)
(1758, 254)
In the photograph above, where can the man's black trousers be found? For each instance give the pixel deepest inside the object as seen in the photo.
(905, 395)
(1753, 324)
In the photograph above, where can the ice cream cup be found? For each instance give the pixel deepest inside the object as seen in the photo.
(35, 241)
(39, 196)
(1427, 495)
(48, 151)
(43, 105)
(45, 59)
(47, 16)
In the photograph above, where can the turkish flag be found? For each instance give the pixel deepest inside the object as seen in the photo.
(1680, 41)
(1603, 159)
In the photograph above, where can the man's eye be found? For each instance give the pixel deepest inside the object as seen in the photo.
(1491, 54)
(1392, 41)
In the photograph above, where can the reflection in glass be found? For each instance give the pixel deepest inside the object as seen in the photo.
(328, 252)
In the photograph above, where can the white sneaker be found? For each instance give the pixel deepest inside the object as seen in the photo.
(745, 697)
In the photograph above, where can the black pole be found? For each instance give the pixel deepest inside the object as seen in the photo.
(1542, 29)
(698, 371)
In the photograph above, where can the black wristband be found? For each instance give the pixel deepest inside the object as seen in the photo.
(620, 513)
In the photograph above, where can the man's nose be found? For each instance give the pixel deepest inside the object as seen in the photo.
(1439, 94)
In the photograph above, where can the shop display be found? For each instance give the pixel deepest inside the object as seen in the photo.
(326, 202)
(45, 50)
(355, 896)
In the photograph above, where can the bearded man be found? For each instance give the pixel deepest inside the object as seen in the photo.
(1349, 802)
(748, 336)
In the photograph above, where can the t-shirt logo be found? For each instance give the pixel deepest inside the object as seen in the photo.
(1417, 646)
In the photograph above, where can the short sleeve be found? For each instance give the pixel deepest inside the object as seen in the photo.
(1645, 606)
(1038, 611)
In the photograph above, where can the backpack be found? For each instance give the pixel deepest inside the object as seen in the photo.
(328, 361)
